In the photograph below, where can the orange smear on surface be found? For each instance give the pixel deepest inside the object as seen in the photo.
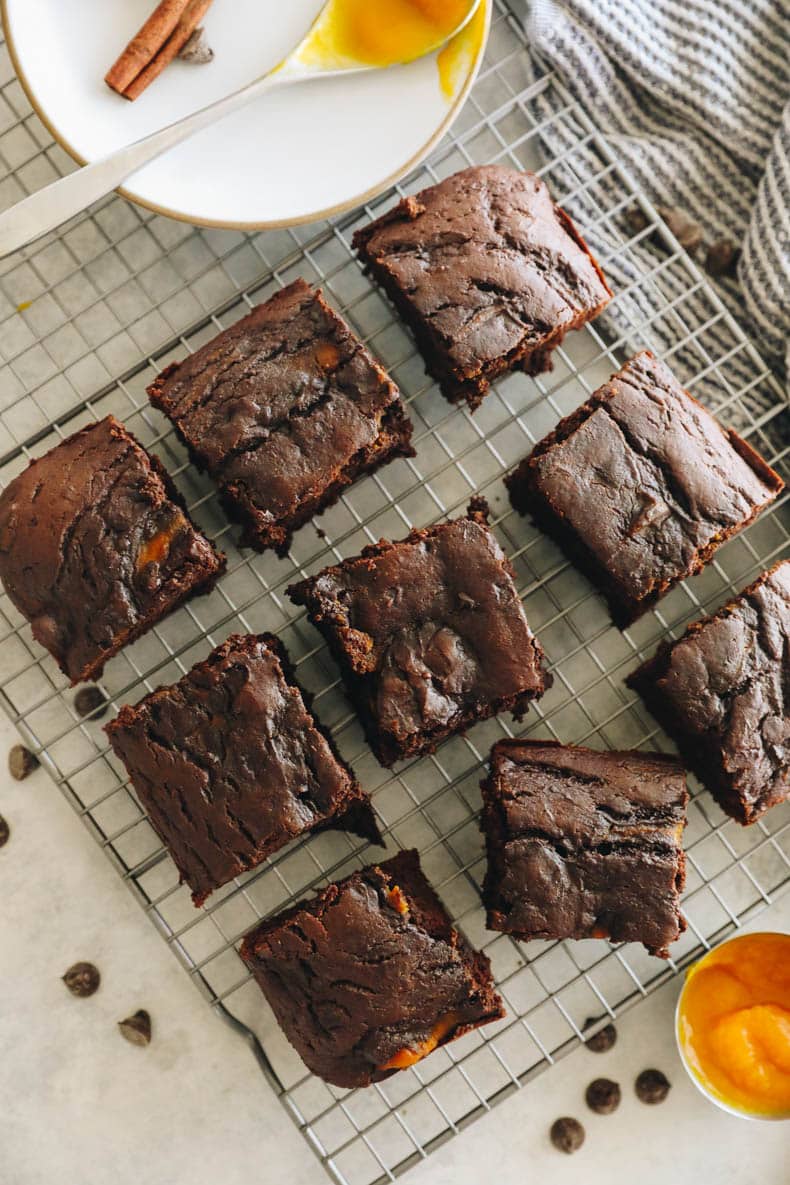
(455, 59)
(734, 1023)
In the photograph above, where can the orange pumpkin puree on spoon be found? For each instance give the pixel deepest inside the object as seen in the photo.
(389, 32)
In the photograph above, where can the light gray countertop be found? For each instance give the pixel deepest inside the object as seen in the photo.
(79, 1105)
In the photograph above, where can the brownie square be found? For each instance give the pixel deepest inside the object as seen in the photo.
(722, 692)
(369, 976)
(284, 410)
(96, 547)
(640, 486)
(430, 634)
(584, 844)
(231, 765)
(489, 274)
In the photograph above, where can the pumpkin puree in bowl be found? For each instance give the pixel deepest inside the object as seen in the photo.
(733, 1025)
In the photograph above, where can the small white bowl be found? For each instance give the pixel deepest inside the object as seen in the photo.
(701, 1087)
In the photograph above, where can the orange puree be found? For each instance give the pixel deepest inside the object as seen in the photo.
(456, 57)
(397, 900)
(383, 33)
(327, 355)
(734, 1023)
(154, 550)
(407, 1057)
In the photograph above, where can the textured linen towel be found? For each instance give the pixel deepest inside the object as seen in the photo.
(694, 95)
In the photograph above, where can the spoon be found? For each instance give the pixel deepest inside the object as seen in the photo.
(345, 38)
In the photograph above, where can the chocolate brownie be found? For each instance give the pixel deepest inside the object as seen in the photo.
(641, 485)
(584, 844)
(369, 976)
(429, 633)
(231, 765)
(722, 692)
(488, 272)
(96, 547)
(284, 410)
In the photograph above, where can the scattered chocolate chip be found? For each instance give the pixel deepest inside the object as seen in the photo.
(652, 1086)
(137, 1028)
(21, 762)
(567, 1134)
(603, 1096)
(5, 831)
(687, 232)
(604, 1039)
(636, 219)
(91, 702)
(722, 258)
(197, 50)
(82, 979)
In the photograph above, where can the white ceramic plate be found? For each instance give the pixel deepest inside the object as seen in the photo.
(295, 155)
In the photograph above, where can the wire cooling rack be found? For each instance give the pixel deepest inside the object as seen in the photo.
(81, 307)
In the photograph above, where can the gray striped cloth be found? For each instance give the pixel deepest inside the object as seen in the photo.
(695, 97)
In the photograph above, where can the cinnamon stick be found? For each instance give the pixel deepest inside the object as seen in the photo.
(145, 44)
(190, 19)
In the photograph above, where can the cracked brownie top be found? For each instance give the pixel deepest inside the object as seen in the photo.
(96, 546)
(430, 632)
(369, 976)
(584, 844)
(643, 483)
(230, 764)
(283, 409)
(723, 692)
(488, 272)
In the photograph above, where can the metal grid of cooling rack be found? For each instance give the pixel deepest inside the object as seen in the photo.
(118, 282)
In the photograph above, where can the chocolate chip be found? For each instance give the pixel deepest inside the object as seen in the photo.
(687, 232)
(603, 1040)
(91, 702)
(82, 979)
(5, 832)
(567, 1134)
(21, 762)
(603, 1096)
(722, 258)
(137, 1028)
(652, 1086)
(636, 219)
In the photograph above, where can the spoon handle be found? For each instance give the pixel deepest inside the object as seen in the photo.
(46, 209)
